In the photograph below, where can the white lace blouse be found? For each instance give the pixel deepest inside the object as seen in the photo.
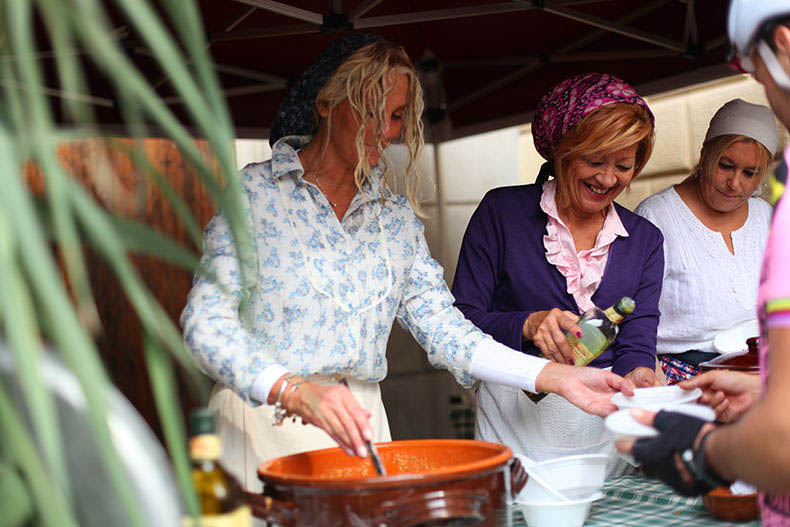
(706, 288)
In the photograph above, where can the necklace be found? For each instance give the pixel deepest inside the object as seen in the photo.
(318, 184)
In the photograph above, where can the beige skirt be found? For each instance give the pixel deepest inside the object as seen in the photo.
(248, 437)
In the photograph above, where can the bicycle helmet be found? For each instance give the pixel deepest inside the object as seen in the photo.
(744, 21)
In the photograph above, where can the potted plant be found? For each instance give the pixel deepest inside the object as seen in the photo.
(46, 300)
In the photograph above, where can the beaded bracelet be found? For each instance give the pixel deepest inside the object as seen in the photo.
(279, 410)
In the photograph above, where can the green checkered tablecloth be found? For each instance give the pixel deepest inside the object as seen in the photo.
(635, 501)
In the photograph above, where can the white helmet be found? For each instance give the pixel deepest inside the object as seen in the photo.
(745, 19)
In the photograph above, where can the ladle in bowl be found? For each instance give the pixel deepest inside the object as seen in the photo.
(374, 454)
(527, 463)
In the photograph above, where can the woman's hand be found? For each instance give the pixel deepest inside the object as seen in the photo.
(729, 393)
(642, 377)
(590, 389)
(545, 329)
(335, 410)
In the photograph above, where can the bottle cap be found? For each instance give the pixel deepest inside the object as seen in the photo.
(202, 421)
(625, 306)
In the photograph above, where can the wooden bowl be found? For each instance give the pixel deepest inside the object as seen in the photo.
(731, 507)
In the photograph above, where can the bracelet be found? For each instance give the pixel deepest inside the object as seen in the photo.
(291, 389)
(279, 410)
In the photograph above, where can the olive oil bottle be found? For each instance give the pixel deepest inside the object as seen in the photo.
(599, 328)
(221, 498)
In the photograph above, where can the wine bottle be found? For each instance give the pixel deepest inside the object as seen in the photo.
(599, 328)
(221, 498)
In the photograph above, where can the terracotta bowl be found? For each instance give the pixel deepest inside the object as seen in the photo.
(428, 482)
(748, 363)
(731, 507)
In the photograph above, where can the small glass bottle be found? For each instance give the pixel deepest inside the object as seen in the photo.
(221, 498)
(599, 328)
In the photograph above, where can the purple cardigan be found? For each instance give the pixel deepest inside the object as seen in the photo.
(503, 276)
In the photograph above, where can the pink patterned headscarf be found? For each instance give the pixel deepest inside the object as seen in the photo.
(569, 101)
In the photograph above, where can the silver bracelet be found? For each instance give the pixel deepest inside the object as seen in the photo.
(291, 389)
(280, 412)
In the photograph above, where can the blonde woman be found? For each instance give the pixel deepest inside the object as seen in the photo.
(715, 230)
(534, 257)
(339, 258)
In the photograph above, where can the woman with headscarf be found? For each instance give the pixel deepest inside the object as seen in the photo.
(715, 229)
(534, 257)
(339, 257)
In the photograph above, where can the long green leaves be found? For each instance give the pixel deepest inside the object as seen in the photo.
(51, 505)
(14, 498)
(39, 305)
(163, 380)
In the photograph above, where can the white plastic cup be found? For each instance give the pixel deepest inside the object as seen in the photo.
(557, 514)
(576, 477)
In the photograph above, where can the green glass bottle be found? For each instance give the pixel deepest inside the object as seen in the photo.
(222, 501)
(599, 328)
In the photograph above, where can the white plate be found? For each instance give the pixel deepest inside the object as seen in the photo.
(734, 339)
(623, 425)
(656, 397)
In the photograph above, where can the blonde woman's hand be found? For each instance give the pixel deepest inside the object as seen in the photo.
(545, 330)
(642, 377)
(590, 389)
(335, 410)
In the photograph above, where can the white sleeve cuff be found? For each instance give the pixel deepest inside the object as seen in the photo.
(262, 385)
(495, 362)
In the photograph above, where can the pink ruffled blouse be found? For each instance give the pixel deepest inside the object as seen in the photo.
(582, 270)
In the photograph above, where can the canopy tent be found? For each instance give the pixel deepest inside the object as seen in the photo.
(484, 65)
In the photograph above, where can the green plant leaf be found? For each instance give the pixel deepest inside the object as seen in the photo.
(163, 381)
(95, 223)
(21, 331)
(142, 239)
(15, 500)
(171, 195)
(51, 505)
(65, 329)
(37, 302)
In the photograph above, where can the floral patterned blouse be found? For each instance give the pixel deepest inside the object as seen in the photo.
(327, 291)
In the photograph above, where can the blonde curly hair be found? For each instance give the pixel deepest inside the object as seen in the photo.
(366, 79)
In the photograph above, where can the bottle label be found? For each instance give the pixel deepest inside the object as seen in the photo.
(205, 446)
(612, 314)
(581, 354)
(241, 517)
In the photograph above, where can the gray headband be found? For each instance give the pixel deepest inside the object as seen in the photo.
(295, 114)
(739, 117)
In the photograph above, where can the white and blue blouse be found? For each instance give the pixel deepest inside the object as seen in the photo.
(327, 290)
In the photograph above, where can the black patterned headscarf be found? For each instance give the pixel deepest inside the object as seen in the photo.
(295, 114)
